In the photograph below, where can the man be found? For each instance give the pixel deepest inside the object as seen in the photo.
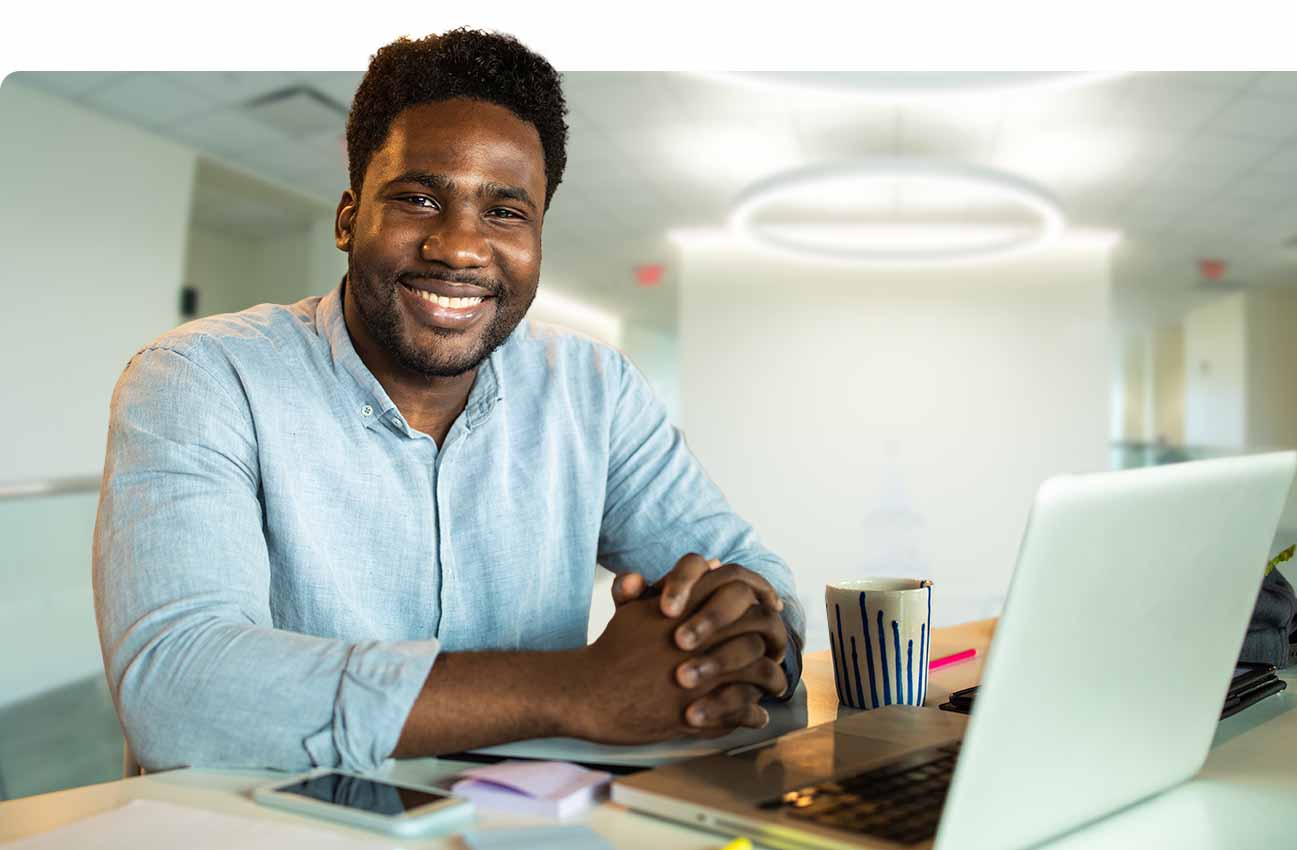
(366, 524)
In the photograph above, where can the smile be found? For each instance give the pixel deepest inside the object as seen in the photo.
(443, 301)
(443, 311)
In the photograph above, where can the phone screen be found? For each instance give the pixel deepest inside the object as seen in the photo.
(364, 794)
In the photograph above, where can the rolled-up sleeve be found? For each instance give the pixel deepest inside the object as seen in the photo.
(198, 671)
(660, 505)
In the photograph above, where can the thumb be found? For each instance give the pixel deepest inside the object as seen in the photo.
(627, 587)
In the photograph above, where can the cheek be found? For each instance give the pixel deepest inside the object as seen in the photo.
(520, 262)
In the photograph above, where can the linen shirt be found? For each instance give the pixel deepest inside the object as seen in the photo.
(279, 557)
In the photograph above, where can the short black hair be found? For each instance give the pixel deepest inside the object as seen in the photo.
(461, 63)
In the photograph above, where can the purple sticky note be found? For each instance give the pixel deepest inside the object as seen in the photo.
(552, 788)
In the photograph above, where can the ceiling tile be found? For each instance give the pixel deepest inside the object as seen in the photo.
(847, 134)
(327, 184)
(338, 86)
(1276, 84)
(67, 83)
(1282, 162)
(225, 88)
(968, 136)
(1259, 188)
(1159, 101)
(1258, 117)
(1230, 82)
(282, 160)
(226, 131)
(149, 100)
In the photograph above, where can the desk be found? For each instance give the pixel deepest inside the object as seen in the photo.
(1242, 799)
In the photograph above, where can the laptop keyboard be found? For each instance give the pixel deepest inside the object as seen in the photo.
(900, 801)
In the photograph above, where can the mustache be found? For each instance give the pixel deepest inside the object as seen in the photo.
(492, 285)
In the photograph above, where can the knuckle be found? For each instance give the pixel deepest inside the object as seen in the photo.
(754, 645)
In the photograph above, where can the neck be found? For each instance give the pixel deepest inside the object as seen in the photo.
(429, 404)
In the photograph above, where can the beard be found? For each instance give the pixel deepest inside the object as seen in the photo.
(450, 353)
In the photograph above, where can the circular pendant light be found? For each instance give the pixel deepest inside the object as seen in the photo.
(835, 184)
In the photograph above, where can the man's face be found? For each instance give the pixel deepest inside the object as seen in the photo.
(451, 208)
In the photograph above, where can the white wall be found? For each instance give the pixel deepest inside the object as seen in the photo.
(233, 272)
(1135, 382)
(1215, 374)
(1167, 354)
(219, 266)
(895, 422)
(1272, 369)
(92, 237)
(656, 353)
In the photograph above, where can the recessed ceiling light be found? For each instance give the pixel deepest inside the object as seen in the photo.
(893, 86)
(895, 242)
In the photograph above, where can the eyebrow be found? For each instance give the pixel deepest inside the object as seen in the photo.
(442, 183)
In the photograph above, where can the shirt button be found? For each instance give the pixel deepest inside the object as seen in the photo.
(367, 411)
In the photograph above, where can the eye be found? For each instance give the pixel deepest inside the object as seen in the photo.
(419, 201)
(504, 212)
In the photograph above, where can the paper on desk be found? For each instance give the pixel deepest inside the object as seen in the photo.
(784, 717)
(155, 825)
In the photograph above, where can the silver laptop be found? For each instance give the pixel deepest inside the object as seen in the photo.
(1103, 686)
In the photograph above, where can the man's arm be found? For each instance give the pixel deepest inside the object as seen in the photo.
(618, 690)
(660, 505)
(182, 582)
(200, 675)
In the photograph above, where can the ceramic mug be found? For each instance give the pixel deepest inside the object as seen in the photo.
(879, 631)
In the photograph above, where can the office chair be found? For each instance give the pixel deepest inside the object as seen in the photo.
(130, 765)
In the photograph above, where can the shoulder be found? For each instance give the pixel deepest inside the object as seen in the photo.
(261, 334)
(228, 350)
(542, 348)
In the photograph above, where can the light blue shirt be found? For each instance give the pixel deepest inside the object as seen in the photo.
(279, 557)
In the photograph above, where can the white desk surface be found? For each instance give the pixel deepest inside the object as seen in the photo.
(1243, 797)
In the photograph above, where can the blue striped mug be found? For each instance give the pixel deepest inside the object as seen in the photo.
(879, 632)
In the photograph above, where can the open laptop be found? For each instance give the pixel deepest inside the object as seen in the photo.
(1103, 685)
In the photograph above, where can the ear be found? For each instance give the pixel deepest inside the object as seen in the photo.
(344, 220)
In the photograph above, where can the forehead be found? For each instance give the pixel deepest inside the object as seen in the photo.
(461, 138)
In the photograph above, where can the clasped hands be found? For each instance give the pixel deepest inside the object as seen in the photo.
(688, 656)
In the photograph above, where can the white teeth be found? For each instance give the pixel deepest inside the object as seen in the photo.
(451, 303)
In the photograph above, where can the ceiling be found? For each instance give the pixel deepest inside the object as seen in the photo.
(1184, 165)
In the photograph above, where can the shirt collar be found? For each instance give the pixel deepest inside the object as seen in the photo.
(371, 401)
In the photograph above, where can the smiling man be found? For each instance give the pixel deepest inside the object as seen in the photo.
(366, 524)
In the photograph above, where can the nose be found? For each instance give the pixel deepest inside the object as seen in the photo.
(456, 240)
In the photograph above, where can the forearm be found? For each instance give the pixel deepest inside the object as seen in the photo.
(479, 699)
(206, 692)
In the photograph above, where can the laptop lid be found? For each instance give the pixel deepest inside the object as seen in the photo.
(1111, 661)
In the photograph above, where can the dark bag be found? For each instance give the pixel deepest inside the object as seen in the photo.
(1271, 630)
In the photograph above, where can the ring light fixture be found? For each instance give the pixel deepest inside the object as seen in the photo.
(832, 179)
(901, 86)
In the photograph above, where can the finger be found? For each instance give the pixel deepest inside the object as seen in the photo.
(721, 610)
(760, 620)
(627, 587)
(727, 707)
(677, 585)
(726, 573)
(713, 563)
(763, 674)
(729, 657)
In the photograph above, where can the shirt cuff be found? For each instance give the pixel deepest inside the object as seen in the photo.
(378, 687)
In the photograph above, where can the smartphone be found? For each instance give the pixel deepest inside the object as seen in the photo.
(358, 801)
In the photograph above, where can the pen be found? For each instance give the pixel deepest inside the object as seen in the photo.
(947, 660)
(738, 844)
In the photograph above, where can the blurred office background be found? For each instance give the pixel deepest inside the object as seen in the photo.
(867, 418)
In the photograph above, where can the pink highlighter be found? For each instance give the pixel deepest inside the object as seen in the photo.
(947, 660)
